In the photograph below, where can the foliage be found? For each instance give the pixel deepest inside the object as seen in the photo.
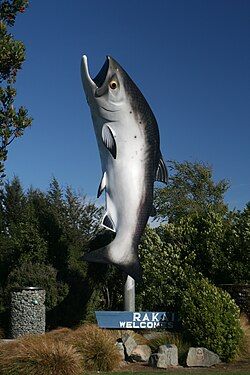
(238, 247)
(166, 268)
(210, 318)
(215, 245)
(13, 121)
(39, 355)
(97, 347)
(190, 189)
(45, 234)
(40, 275)
(172, 279)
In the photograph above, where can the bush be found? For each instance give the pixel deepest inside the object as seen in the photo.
(40, 275)
(210, 318)
(97, 347)
(39, 355)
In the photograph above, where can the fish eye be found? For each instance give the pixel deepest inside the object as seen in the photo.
(113, 84)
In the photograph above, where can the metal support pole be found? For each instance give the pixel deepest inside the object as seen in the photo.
(129, 294)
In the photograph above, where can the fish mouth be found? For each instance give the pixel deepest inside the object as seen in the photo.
(101, 76)
(99, 79)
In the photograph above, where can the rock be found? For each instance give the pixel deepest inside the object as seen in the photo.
(120, 348)
(201, 357)
(141, 353)
(129, 344)
(167, 356)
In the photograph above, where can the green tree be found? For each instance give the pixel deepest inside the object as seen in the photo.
(237, 247)
(48, 229)
(215, 245)
(191, 189)
(13, 121)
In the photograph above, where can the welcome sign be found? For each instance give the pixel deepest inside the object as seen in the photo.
(136, 320)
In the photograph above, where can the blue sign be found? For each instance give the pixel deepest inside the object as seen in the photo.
(136, 320)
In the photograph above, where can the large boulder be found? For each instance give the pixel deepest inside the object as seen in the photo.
(141, 353)
(120, 348)
(167, 356)
(201, 357)
(129, 344)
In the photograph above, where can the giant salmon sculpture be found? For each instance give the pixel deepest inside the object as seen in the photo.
(128, 139)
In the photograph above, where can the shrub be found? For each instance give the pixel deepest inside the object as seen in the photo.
(42, 275)
(97, 347)
(210, 318)
(39, 355)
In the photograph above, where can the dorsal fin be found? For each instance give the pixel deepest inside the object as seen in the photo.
(109, 140)
(108, 223)
(161, 172)
(102, 184)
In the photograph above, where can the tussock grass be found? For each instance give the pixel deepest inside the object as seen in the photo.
(244, 351)
(139, 339)
(39, 355)
(97, 347)
(59, 334)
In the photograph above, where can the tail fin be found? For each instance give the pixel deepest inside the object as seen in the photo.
(102, 255)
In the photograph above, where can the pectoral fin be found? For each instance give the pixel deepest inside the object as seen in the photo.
(108, 223)
(161, 172)
(102, 185)
(109, 140)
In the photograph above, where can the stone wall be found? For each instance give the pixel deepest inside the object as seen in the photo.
(27, 311)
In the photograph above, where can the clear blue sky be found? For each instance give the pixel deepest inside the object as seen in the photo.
(190, 58)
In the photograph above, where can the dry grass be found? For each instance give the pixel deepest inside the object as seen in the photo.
(244, 353)
(97, 347)
(59, 334)
(139, 339)
(39, 355)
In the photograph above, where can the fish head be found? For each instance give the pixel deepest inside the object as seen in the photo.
(105, 93)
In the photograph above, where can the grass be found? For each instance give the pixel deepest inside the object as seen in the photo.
(244, 352)
(186, 371)
(88, 348)
(39, 355)
(97, 347)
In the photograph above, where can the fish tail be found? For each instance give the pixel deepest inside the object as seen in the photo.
(103, 255)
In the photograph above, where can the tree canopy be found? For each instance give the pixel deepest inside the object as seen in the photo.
(191, 189)
(13, 121)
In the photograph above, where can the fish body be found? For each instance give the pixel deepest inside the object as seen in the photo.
(128, 140)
